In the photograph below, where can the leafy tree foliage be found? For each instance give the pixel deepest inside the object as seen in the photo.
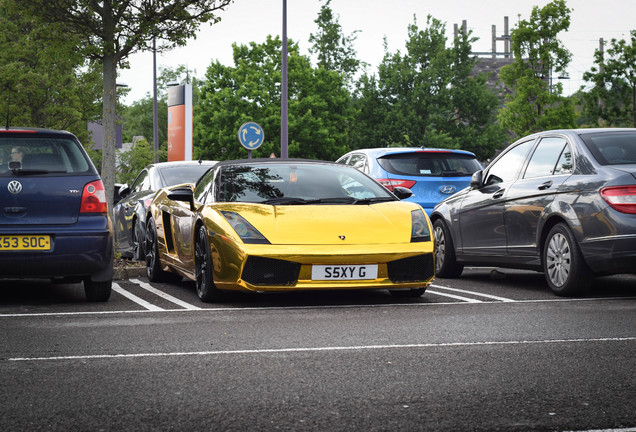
(44, 81)
(334, 49)
(535, 102)
(428, 96)
(134, 160)
(137, 118)
(319, 108)
(109, 31)
(612, 100)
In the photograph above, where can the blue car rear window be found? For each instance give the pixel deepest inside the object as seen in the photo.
(430, 164)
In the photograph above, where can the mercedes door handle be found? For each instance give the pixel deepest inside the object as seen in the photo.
(499, 193)
(545, 185)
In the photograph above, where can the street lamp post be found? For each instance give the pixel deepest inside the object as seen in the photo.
(283, 91)
(155, 109)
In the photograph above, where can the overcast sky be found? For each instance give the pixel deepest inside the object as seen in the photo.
(247, 21)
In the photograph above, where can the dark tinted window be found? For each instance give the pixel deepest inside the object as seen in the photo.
(263, 182)
(174, 175)
(45, 154)
(142, 182)
(612, 147)
(430, 164)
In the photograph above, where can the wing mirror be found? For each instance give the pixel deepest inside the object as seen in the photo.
(183, 194)
(477, 180)
(122, 192)
(402, 192)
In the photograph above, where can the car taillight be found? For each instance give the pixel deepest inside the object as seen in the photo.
(390, 184)
(620, 198)
(94, 198)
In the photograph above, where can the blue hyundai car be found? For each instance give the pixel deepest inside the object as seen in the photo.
(432, 174)
(54, 221)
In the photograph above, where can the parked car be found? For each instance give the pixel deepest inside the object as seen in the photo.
(562, 202)
(285, 225)
(54, 222)
(431, 174)
(130, 211)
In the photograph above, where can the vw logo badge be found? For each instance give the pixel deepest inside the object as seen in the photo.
(15, 187)
(448, 189)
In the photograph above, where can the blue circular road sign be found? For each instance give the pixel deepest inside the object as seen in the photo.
(251, 135)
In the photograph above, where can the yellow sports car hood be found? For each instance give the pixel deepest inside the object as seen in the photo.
(330, 224)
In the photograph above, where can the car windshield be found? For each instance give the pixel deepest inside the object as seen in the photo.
(174, 175)
(40, 155)
(612, 148)
(430, 164)
(298, 183)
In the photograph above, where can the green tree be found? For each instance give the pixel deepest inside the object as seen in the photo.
(109, 31)
(134, 160)
(333, 48)
(44, 81)
(536, 103)
(319, 105)
(137, 118)
(612, 99)
(428, 96)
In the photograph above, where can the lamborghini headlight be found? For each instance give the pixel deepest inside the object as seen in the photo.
(244, 229)
(419, 227)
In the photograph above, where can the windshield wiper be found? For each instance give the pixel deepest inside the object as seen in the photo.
(454, 174)
(35, 171)
(373, 200)
(333, 200)
(284, 200)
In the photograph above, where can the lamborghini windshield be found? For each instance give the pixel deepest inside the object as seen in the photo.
(297, 183)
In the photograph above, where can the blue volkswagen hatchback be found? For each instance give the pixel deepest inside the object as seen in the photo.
(54, 221)
(431, 174)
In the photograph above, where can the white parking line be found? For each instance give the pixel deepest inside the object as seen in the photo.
(324, 349)
(165, 296)
(135, 299)
(478, 294)
(456, 297)
(608, 430)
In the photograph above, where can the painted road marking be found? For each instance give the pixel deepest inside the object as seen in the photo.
(323, 349)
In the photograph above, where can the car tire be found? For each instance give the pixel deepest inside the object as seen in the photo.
(153, 263)
(138, 242)
(97, 291)
(565, 270)
(412, 293)
(446, 265)
(204, 280)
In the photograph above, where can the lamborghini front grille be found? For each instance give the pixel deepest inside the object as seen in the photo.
(412, 269)
(269, 271)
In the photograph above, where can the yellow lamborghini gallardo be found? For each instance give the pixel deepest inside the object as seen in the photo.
(288, 224)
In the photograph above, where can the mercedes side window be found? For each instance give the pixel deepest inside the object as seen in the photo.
(565, 165)
(506, 168)
(546, 156)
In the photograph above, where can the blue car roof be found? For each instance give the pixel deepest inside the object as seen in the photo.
(382, 151)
